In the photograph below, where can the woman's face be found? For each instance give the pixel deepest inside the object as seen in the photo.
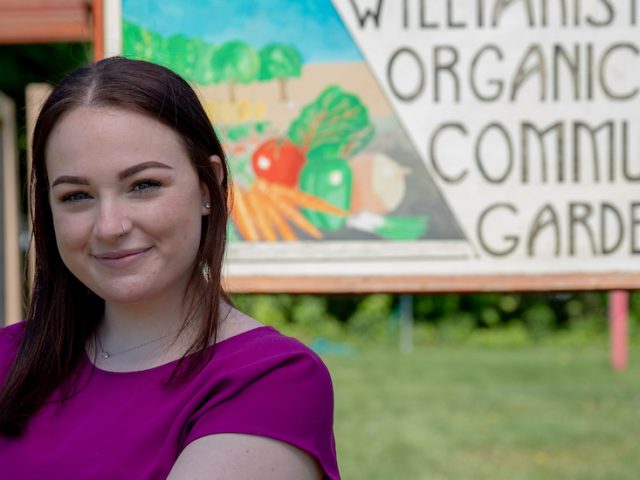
(126, 202)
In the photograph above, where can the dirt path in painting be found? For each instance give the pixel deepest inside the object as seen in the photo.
(262, 98)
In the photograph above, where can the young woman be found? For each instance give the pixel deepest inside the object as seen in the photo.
(132, 362)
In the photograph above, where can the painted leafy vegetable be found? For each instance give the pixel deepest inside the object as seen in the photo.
(334, 126)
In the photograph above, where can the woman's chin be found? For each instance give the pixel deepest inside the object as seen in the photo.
(125, 296)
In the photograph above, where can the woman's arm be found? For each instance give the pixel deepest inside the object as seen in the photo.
(233, 456)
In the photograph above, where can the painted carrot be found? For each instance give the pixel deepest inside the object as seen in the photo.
(283, 228)
(301, 199)
(241, 215)
(295, 217)
(262, 218)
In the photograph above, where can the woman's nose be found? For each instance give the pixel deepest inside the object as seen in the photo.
(111, 221)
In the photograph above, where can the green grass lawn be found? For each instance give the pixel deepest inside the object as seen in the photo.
(471, 413)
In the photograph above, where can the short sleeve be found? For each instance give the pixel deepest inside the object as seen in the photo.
(287, 396)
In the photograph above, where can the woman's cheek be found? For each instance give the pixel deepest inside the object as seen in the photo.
(69, 232)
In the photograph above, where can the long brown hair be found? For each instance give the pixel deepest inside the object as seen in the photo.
(63, 314)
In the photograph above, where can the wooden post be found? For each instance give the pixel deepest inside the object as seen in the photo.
(97, 11)
(406, 323)
(618, 315)
(11, 295)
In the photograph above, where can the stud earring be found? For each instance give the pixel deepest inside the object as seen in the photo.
(207, 205)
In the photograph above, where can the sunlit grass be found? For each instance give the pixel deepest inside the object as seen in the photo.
(471, 413)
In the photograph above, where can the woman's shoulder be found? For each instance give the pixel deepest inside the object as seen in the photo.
(266, 359)
(258, 343)
(270, 385)
(10, 336)
(14, 329)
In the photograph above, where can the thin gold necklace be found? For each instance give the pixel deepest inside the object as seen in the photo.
(106, 355)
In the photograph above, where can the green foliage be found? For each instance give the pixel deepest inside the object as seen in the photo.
(369, 322)
(302, 316)
(202, 62)
(24, 64)
(634, 316)
(270, 309)
(202, 71)
(539, 319)
(457, 328)
(235, 62)
(278, 60)
(180, 54)
(139, 43)
(335, 125)
(508, 336)
(189, 57)
(486, 320)
(539, 315)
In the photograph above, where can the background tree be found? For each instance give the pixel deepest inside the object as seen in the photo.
(235, 62)
(280, 61)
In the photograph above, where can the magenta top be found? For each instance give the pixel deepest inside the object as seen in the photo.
(127, 425)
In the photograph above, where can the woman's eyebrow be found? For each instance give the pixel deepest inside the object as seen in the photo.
(70, 179)
(127, 172)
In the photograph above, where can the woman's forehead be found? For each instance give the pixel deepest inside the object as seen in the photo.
(108, 138)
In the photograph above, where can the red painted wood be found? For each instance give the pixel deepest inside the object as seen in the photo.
(618, 319)
(44, 21)
(97, 11)
(432, 284)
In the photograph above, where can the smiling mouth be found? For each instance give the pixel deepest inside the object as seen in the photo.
(121, 258)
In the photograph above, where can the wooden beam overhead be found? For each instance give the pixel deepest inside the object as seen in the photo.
(44, 21)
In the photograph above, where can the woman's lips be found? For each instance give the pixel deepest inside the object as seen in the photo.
(121, 258)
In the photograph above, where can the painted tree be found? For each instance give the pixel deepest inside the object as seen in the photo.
(280, 61)
(140, 43)
(145, 44)
(161, 53)
(235, 62)
(183, 56)
(203, 74)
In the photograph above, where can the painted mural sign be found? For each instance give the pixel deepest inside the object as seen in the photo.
(415, 137)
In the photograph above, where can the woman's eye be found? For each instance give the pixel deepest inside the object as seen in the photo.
(145, 185)
(75, 197)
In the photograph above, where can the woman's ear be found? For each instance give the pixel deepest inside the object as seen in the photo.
(206, 201)
(216, 162)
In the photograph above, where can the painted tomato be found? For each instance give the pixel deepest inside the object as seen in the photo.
(278, 160)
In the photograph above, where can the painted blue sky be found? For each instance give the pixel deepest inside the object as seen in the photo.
(313, 26)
